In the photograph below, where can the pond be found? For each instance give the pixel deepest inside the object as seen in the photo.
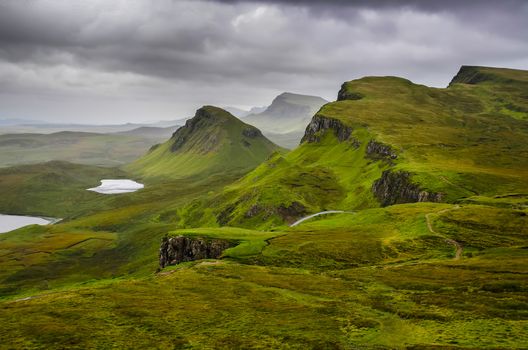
(12, 222)
(117, 186)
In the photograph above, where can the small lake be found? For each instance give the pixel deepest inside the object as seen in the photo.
(12, 222)
(117, 186)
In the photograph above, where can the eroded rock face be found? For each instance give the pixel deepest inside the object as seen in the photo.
(179, 249)
(319, 125)
(395, 187)
(201, 120)
(291, 212)
(379, 151)
(344, 94)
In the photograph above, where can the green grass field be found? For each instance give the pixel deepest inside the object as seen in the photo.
(112, 150)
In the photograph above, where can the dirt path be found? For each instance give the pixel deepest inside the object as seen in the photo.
(459, 248)
(320, 213)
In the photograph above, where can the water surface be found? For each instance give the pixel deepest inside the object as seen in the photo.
(12, 222)
(117, 186)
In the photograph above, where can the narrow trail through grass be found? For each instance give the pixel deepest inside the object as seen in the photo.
(320, 213)
(458, 247)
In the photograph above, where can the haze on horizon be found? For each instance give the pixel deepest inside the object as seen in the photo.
(138, 60)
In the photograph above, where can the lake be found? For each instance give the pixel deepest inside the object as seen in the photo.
(12, 222)
(117, 186)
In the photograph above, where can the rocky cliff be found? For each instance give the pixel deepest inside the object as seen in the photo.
(395, 187)
(319, 125)
(175, 250)
(379, 151)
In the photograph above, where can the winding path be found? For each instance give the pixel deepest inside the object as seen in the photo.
(320, 213)
(459, 248)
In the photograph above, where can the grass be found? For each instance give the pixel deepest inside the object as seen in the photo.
(76, 147)
(319, 285)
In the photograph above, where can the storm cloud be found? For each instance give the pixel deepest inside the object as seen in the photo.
(104, 61)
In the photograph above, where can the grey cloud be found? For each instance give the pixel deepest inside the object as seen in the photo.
(168, 57)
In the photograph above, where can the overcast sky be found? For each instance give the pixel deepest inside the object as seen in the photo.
(100, 61)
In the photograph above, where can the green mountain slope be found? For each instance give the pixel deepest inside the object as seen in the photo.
(388, 141)
(212, 142)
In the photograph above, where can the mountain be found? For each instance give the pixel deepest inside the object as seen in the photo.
(387, 141)
(15, 126)
(241, 113)
(288, 115)
(237, 112)
(288, 112)
(150, 132)
(14, 121)
(212, 142)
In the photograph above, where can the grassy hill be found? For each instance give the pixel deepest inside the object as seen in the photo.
(212, 142)
(431, 253)
(388, 141)
(79, 147)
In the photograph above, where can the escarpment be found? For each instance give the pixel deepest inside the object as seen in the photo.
(379, 151)
(319, 125)
(395, 187)
(175, 250)
(202, 120)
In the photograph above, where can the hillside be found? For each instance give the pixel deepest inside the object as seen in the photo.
(55, 189)
(286, 117)
(388, 141)
(212, 142)
(79, 147)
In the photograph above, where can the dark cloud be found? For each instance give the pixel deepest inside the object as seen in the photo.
(139, 59)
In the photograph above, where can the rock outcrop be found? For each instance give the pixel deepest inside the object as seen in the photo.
(395, 187)
(202, 119)
(379, 151)
(175, 250)
(344, 94)
(319, 125)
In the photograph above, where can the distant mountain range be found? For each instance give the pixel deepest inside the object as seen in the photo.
(15, 126)
(287, 113)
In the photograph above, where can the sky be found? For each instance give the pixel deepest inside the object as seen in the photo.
(106, 62)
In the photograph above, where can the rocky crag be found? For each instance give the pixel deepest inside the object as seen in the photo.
(395, 187)
(175, 250)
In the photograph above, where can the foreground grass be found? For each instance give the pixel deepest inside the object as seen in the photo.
(375, 279)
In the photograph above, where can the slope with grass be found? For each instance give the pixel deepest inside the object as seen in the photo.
(375, 280)
(79, 147)
(54, 189)
(212, 142)
(388, 141)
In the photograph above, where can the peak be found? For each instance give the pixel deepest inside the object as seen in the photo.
(210, 115)
(297, 98)
(480, 74)
(373, 86)
(213, 113)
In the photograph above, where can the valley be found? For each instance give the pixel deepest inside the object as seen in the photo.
(399, 222)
